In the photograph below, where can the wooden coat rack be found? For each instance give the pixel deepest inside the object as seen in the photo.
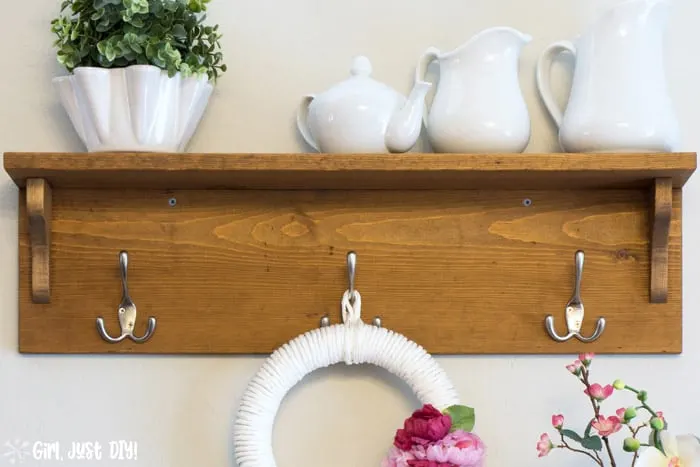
(238, 253)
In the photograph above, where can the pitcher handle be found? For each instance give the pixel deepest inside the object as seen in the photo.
(544, 68)
(302, 121)
(428, 57)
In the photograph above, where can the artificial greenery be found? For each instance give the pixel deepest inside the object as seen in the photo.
(169, 34)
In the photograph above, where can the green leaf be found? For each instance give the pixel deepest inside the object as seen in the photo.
(179, 32)
(571, 435)
(587, 433)
(463, 417)
(110, 53)
(592, 442)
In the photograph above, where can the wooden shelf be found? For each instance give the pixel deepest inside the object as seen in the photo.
(348, 172)
(238, 253)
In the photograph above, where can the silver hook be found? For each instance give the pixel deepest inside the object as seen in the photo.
(574, 311)
(352, 267)
(127, 311)
(352, 270)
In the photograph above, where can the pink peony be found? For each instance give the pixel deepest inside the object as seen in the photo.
(397, 458)
(557, 421)
(460, 448)
(544, 445)
(402, 440)
(607, 426)
(425, 463)
(427, 424)
(575, 367)
(599, 392)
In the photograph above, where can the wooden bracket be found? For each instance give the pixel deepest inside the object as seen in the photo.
(39, 214)
(662, 193)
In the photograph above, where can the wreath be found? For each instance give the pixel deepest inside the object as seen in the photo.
(436, 435)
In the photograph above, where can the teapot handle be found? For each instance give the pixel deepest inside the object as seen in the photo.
(302, 121)
(544, 68)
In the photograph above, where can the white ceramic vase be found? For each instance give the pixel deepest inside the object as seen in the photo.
(136, 108)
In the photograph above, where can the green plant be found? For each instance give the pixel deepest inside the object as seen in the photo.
(169, 34)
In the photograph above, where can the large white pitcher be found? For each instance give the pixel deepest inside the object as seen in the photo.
(478, 105)
(619, 101)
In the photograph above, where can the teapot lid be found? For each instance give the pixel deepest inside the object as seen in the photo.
(360, 83)
(360, 78)
(361, 66)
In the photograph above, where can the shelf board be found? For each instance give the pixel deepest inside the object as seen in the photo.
(350, 171)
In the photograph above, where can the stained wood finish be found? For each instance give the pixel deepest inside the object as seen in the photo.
(350, 171)
(38, 198)
(463, 271)
(661, 227)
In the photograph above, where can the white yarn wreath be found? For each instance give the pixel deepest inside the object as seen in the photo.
(352, 342)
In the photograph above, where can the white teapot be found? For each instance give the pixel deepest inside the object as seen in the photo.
(362, 115)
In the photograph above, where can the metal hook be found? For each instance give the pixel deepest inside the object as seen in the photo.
(352, 269)
(574, 311)
(127, 311)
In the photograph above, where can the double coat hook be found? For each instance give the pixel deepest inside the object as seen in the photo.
(127, 311)
(574, 312)
(352, 269)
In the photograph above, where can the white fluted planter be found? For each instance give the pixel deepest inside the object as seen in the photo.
(137, 108)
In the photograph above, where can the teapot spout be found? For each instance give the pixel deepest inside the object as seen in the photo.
(405, 125)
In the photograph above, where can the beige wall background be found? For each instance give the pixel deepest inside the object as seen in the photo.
(180, 410)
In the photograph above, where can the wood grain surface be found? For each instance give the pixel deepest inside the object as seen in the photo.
(349, 171)
(460, 272)
(662, 207)
(38, 198)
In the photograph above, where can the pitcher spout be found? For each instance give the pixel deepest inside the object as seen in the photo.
(496, 40)
(406, 123)
(641, 12)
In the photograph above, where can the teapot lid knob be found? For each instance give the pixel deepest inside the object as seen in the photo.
(361, 66)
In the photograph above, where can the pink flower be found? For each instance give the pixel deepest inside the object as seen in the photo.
(586, 358)
(557, 421)
(544, 445)
(660, 415)
(606, 426)
(458, 448)
(575, 367)
(599, 392)
(424, 426)
(428, 423)
(621, 413)
(397, 458)
(424, 463)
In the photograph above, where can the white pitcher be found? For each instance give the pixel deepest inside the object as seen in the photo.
(478, 105)
(619, 101)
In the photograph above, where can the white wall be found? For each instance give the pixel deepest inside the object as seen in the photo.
(180, 409)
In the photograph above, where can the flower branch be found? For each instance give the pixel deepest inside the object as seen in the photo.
(662, 450)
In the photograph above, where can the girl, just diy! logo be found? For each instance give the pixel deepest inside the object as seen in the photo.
(16, 452)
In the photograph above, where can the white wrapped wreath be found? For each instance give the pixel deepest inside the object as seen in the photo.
(352, 342)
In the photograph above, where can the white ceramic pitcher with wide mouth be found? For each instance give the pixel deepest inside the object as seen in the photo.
(619, 100)
(479, 105)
